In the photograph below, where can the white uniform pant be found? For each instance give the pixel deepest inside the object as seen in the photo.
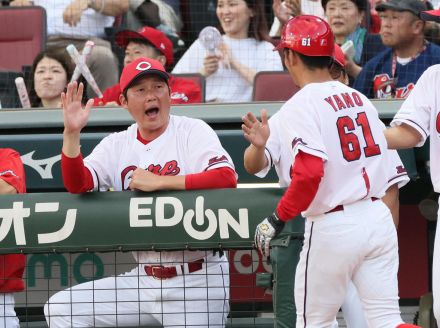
(198, 299)
(8, 318)
(436, 271)
(352, 308)
(358, 243)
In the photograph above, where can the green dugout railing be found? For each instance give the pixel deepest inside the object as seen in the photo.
(206, 219)
(37, 135)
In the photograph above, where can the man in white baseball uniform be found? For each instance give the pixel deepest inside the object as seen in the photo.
(267, 150)
(160, 151)
(417, 119)
(335, 141)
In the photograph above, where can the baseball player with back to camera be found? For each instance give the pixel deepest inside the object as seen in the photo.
(267, 150)
(335, 138)
(416, 120)
(158, 152)
(12, 181)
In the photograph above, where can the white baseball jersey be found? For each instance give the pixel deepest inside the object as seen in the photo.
(278, 155)
(357, 242)
(187, 146)
(332, 120)
(421, 110)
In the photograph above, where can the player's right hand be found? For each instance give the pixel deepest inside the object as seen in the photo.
(256, 132)
(269, 228)
(75, 116)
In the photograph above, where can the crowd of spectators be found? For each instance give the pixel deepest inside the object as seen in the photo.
(244, 51)
(391, 46)
(393, 72)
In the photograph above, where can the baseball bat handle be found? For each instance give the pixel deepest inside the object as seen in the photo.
(22, 93)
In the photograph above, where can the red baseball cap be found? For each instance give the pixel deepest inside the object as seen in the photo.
(339, 56)
(157, 38)
(139, 68)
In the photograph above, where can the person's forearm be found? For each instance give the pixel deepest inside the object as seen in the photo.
(71, 144)
(6, 188)
(254, 159)
(110, 7)
(353, 69)
(402, 136)
(170, 182)
(247, 73)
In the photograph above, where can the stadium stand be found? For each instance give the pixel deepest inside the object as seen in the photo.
(273, 86)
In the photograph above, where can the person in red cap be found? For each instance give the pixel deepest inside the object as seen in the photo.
(332, 156)
(337, 69)
(158, 152)
(151, 43)
(417, 121)
(12, 181)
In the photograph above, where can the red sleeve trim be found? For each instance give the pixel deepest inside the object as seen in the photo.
(307, 173)
(223, 177)
(77, 178)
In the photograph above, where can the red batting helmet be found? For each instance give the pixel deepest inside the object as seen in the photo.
(308, 35)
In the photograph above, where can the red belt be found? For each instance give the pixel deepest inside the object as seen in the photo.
(161, 272)
(341, 207)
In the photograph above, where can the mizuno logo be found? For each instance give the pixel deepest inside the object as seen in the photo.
(42, 166)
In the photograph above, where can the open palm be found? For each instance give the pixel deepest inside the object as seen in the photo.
(75, 116)
(256, 132)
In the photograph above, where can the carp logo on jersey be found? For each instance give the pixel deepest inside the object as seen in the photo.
(179, 95)
(217, 159)
(170, 168)
(384, 88)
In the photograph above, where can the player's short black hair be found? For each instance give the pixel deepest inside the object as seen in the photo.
(360, 4)
(313, 62)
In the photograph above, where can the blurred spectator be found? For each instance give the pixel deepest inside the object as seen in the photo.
(160, 14)
(432, 29)
(244, 51)
(12, 181)
(151, 43)
(51, 71)
(284, 10)
(374, 17)
(345, 18)
(76, 21)
(394, 72)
